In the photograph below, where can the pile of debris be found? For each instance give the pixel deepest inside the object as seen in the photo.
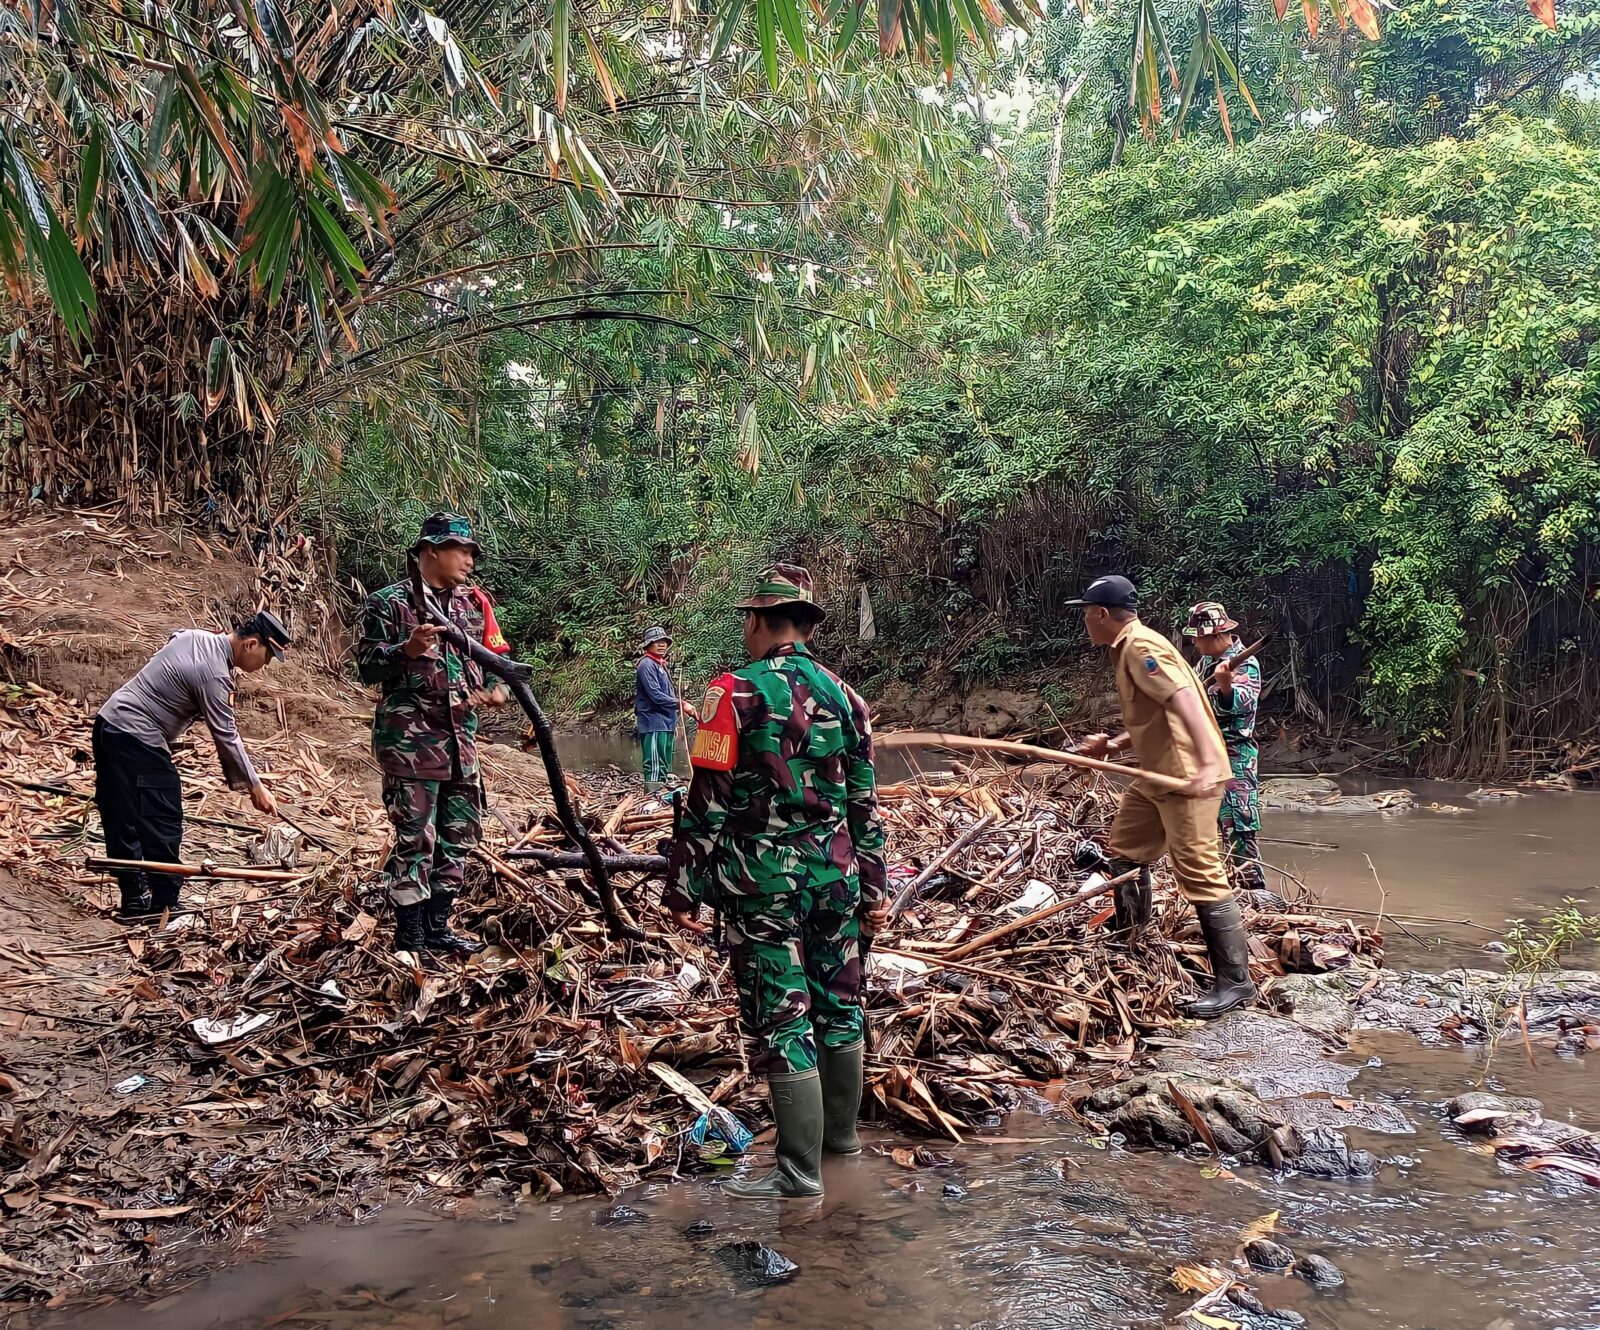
(265, 1051)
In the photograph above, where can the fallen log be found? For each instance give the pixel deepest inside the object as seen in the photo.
(617, 863)
(938, 739)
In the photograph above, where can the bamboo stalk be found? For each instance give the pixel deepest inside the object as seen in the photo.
(999, 976)
(937, 739)
(1027, 920)
(220, 871)
(903, 897)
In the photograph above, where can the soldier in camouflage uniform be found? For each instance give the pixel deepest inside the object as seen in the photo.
(1233, 694)
(781, 835)
(424, 735)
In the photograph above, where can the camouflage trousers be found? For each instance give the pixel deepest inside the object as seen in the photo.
(1240, 817)
(797, 960)
(436, 824)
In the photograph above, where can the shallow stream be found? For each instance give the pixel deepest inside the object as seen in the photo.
(1050, 1231)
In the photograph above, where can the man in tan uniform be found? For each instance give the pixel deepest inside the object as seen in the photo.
(1173, 732)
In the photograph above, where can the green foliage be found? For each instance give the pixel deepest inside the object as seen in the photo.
(1537, 947)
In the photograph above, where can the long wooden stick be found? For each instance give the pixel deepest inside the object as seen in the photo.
(1028, 920)
(935, 739)
(96, 865)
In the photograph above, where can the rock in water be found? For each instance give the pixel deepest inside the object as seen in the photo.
(701, 1228)
(1264, 1254)
(1319, 1272)
(1252, 1314)
(756, 1264)
(954, 1191)
(619, 1215)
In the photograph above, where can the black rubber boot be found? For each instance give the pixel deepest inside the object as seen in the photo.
(135, 903)
(842, 1075)
(1132, 900)
(408, 932)
(1228, 945)
(163, 894)
(797, 1108)
(440, 937)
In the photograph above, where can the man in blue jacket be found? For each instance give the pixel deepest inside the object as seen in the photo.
(655, 709)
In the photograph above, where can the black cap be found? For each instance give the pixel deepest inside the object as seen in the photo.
(1115, 593)
(265, 626)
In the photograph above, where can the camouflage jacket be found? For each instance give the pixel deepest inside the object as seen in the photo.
(801, 803)
(425, 726)
(1236, 717)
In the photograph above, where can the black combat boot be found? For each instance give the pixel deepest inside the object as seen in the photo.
(135, 903)
(1132, 900)
(439, 936)
(163, 894)
(1228, 945)
(408, 933)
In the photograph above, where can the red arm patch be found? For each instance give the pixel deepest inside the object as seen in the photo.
(716, 742)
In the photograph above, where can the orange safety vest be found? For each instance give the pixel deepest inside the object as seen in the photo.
(493, 638)
(716, 741)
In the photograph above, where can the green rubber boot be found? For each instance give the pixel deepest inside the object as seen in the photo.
(841, 1096)
(797, 1108)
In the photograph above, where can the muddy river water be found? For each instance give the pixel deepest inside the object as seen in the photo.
(1043, 1229)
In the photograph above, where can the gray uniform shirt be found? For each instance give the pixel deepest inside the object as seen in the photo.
(191, 676)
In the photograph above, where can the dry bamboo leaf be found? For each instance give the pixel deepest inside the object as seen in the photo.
(1259, 1228)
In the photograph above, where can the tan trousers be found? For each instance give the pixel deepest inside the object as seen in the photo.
(1149, 824)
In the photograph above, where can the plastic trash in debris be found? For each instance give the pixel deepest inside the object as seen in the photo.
(757, 1264)
(719, 1134)
(224, 1032)
(130, 1085)
(619, 1216)
(1036, 895)
(279, 848)
(690, 978)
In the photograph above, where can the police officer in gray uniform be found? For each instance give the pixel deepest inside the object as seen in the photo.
(136, 785)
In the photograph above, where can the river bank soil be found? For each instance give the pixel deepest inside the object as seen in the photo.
(172, 1092)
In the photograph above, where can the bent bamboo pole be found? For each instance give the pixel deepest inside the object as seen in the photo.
(936, 739)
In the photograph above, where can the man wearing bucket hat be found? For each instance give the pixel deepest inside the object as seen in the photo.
(655, 709)
(781, 835)
(1233, 691)
(424, 733)
(1174, 733)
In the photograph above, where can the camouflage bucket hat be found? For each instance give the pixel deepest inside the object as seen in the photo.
(783, 584)
(445, 529)
(654, 635)
(1208, 617)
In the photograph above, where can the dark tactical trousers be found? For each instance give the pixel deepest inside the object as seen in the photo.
(796, 957)
(436, 825)
(140, 798)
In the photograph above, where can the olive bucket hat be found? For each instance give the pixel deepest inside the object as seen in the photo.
(780, 585)
(447, 529)
(1208, 617)
(654, 635)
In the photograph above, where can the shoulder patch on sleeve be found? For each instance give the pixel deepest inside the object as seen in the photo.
(1150, 665)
